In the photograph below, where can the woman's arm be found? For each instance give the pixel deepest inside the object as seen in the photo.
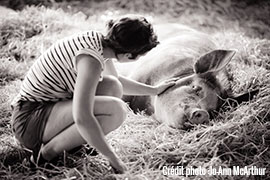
(135, 88)
(132, 87)
(89, 71)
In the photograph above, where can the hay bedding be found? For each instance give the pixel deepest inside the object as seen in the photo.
(236, 137)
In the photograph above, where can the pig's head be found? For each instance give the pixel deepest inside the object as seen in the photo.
(194, 96)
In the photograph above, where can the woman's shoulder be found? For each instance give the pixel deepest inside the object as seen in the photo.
(90, 34)
(92, 38)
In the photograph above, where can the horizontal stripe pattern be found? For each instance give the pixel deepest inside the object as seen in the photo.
(52, 77)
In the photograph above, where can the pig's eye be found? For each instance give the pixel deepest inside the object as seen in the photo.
(196, 88)
(188, 82)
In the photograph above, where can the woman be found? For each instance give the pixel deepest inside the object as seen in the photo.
(71, 94)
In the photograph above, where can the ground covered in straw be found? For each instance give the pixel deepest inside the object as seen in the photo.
(236, 137)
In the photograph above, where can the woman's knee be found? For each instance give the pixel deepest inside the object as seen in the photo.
(119, 111)
(110, 86)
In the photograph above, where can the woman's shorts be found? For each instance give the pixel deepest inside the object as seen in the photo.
(29, 121)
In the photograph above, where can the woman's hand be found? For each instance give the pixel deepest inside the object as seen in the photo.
(118, 165)
(163, 86)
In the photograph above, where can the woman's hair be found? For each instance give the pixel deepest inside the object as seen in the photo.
(130, 34)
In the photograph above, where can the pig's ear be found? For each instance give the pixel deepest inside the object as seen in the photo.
(213, 61)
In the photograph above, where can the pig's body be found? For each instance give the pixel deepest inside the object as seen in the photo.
(175, 58)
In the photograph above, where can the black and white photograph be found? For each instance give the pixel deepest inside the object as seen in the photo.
(135, 90)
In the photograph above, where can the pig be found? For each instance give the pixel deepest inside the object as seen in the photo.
(193, 61)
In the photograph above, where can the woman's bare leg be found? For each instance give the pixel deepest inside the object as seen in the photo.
(61, 133)
(110, 113)
(57, 122)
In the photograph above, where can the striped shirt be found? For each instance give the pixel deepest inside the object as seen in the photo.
(52, 77)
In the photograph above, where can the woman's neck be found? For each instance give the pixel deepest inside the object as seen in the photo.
(108, 53)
